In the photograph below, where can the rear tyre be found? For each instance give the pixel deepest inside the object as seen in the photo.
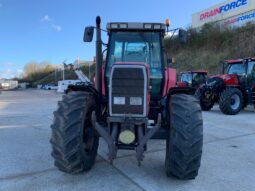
(185, 140)
(205, 105)
(231, 101)
(73, 139)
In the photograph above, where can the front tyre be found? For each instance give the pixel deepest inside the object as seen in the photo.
(73, 139)
(185, 139)
(231, 101)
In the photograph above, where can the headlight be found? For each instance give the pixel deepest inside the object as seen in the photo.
(136, 101)
(157, 26)
(147, 26)
(119, 101)
(123, 25)
(114, 25)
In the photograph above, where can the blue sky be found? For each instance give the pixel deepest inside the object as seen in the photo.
(52, 30)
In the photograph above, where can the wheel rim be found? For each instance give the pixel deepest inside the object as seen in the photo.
(235, 102)
(207, 98)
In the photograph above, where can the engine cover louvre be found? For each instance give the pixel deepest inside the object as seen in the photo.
(128, 90)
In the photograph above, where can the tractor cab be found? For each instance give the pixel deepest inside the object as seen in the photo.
(244, 69)
(194, 78)
(138, 43)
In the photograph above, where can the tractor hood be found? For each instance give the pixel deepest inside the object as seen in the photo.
(229, 79)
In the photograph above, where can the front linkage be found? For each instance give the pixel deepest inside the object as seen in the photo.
(112, 137)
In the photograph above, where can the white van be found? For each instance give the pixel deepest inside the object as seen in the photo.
(63, 85)
(50, 87)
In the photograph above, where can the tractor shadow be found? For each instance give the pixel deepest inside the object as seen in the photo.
(247, 110)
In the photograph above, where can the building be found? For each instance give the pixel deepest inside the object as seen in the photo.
(8, 84)
(229, 14)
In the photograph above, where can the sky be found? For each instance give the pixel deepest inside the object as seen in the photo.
(52, 30)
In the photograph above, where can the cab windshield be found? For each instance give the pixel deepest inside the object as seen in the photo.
(142, 47)
(238, 68)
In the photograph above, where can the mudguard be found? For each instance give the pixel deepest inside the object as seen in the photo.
(170, 80)
(85, 87)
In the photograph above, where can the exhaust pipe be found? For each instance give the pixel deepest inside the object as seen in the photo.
(99, 60)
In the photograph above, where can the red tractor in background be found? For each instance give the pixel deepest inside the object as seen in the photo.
(135, 99)
(233, 90)
(193, 78)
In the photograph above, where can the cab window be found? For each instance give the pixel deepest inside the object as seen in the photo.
(198, 78)
(238, 68)
(251, 68)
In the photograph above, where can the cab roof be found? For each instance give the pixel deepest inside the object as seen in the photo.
(239, 60)
(131, 26)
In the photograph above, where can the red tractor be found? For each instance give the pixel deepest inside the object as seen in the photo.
(193, 78)
(135, 99)
(234, 90)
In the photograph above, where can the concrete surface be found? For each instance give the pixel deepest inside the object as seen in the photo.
(228, 161)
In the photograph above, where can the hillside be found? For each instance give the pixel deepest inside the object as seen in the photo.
(207, 48)
(53, 76)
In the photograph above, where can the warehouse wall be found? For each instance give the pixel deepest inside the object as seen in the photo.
(224, 11)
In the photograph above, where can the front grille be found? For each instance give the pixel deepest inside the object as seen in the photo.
(127, 85)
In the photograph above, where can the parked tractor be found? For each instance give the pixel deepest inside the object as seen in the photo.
(193, 78)
(233, 90)
(135, 99)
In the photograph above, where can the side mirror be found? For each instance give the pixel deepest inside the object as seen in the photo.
(88, 34)
(183, 36)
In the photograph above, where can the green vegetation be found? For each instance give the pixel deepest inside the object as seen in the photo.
(208, 47)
